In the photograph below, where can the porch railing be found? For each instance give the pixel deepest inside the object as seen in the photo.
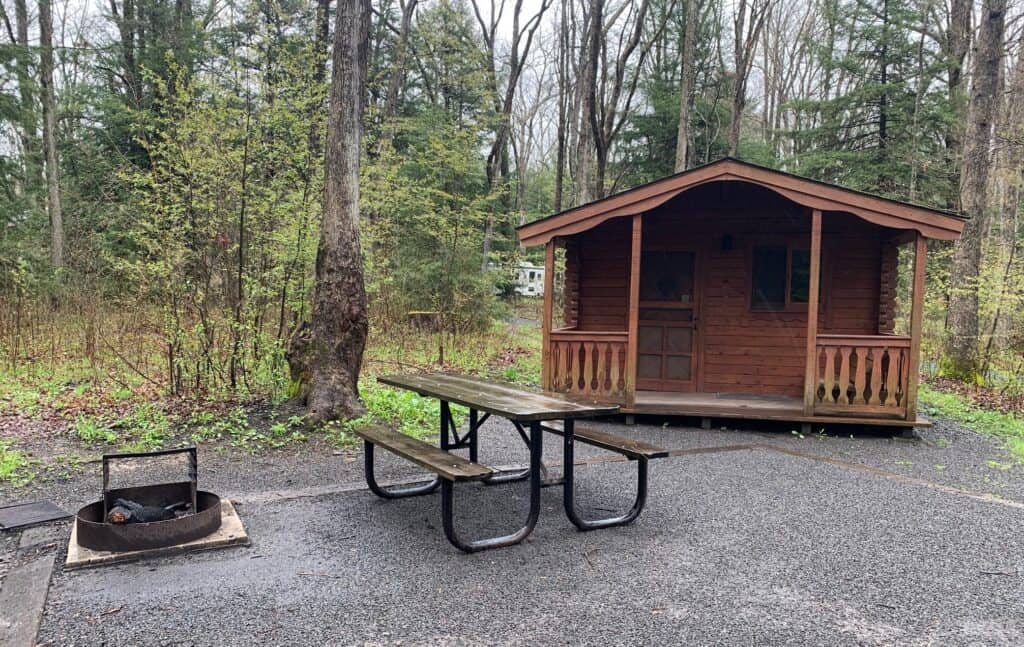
(588, 364)
(862, 374)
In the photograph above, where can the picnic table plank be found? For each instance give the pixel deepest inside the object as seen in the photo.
(630, 447)
(446, 465)
(505, 400)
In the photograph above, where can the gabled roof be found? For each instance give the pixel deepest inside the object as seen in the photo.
(931, 223)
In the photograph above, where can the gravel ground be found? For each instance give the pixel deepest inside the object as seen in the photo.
(742, 547)
(745, 547)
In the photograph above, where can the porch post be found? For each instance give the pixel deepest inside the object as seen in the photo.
(811, 368)
(916, 317)
(633, 314)
(546, 315)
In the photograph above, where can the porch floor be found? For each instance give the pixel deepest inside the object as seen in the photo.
(748, 407)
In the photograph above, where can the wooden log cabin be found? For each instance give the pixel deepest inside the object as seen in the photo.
(736, 291)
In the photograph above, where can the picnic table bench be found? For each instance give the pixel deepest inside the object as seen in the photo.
(540, 412)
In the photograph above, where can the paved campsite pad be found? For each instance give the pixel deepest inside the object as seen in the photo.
(230, 533)
(749, 546)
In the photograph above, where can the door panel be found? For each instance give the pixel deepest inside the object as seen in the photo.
(667, 321)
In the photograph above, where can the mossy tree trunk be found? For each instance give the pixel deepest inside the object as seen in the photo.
(326, 352)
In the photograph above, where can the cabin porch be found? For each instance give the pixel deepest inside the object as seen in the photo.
(733, 301)
(746, 406)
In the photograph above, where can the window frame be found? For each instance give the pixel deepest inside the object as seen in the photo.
(791, 243)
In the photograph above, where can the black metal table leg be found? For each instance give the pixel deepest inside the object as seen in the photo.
(569, 489)
(396, 492)
(476, 545)
(473, 437)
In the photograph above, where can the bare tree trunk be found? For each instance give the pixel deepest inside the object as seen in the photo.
(1010, 180)
(958, 41)
(686, 85)
(561, 137)
(586, 166)
(326, 352)
(128, 26)
(497, 159)
(398, 70)
(962, 333)
(29, 133)
(747, 25)
(49, 134)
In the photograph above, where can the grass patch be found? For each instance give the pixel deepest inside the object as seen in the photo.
(413, 414)
(15, 467)
(1007, 427)
(235, 427)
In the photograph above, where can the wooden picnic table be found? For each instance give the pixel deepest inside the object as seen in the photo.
(532, 414)
(505, 400)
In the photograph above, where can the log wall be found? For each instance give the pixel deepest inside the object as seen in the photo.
(740, 350)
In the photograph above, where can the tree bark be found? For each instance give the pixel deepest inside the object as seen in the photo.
(49, 134)
(686, 85)
(962, 333)
(326, 352)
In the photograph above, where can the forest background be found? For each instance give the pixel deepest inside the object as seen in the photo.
(162, 179)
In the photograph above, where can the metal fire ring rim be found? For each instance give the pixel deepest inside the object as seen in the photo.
(99, 535)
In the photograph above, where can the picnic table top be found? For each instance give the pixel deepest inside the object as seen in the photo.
(505, 400)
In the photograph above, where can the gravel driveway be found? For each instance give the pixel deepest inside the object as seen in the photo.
(784, 540)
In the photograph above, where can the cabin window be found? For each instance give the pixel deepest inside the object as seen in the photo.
(667, 277)
(780, 277)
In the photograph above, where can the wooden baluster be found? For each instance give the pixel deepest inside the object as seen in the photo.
(577, 374)
(860, 382)
(565, 376)
(876, 375)
(892, 377)
(844, 375)
(588, 368)
(602, 368)
(830, 373)
(904, 359)
(613, 370)
(552, 383)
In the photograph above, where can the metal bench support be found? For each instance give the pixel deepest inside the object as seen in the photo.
(476, 545)
(569, 489)
(393, 492)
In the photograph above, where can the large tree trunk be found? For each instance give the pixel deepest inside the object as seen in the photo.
(49, 134)
(326, 352)
(686, 85)
(962, 334)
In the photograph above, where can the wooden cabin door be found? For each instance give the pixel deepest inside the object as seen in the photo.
(667, 321)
